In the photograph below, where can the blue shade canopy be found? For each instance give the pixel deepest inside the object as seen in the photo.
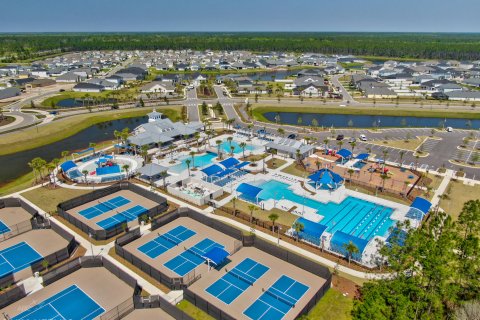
(225, 173)
(344, 153)
(421, 204)
(312, 231)
(362, 156)
(230, 162)
(340, 239)
(249, 190)
(211, 170)
(67, 165)
(241, 165)
(216, 255)
(325, 176)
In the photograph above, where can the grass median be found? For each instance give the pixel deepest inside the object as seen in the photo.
(35, 137)
(259, 110)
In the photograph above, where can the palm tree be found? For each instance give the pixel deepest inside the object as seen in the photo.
(187, 162)
(192, 154)
(385, 154)
(197, 137)
(33, 166)
(144, 152)
(55, 163)
(350, 173)
(298, 227)
(325, 141)
(243, 145)
(340, 144)
(92, 145)
(50, 167)
(164, 175)
(251, 208)
(232, 148)
(219, 143)
(402, 154)
(281, 131)
(85, 174)
(384, 178)
(351, 249)
(126, 167)
(352, 145)
(273, 217)
(230, 139)
(250, 127)
(64, 155)
(318, 163)
(298, 154)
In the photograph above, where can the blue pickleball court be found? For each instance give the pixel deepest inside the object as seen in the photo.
(102, 207)
(237, 280)
(277, 300)
(122, 217)
(166, 241)
(71, 303)
(17, 257)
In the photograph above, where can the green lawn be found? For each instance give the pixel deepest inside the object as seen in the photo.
(275, 163)
(332, 306)
(48, 199)
(294, 170)
(58, 130)
(19, 184)
(193, 311)
(458, 193)
(284, 217)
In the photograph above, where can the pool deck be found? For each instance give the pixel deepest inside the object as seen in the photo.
(243, 301)
(135, 199)
(13, 215)
(98, 283)
(202, 231)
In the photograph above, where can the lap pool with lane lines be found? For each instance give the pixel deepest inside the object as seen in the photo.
(166, 241)
(71, 303)
(17, 257)
(358, 217)
(277, 300)
(237, 280)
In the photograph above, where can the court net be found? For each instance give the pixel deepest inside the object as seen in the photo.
(107, 204)
(280, 296)
(170, 238)
(242, 276)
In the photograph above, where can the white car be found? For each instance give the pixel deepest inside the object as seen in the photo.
(449, 129)
(362, 137)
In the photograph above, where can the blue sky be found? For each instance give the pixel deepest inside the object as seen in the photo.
(243, 15)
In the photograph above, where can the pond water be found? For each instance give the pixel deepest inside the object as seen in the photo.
(15, 165)
(368, 121)
(75, 102)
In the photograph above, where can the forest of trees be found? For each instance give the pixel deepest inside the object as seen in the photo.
(18, 47)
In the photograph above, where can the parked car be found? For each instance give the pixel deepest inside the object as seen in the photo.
(363, 137)
(352, 140)
(449, 129)
(340, 137)
(292, 136)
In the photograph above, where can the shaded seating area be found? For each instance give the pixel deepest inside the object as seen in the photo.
(325, 179)
(312, 231)
(70, 169)
(151, 171)
(248, 192)
(223, 172)
(344, 155)
(216, 256)
(341, 239)
(419, 208)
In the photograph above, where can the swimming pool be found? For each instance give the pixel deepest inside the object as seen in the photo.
(225, 147)
(199, 161)
(354, 216)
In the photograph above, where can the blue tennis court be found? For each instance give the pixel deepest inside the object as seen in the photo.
(71, 303)
(166, 241)
(121, 217)
(277, 300)
(3, 227)
(17, 257)
(192, 257)
(237, 280)
(102, 207)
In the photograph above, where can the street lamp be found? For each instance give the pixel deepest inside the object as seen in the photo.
(91, 245)
(278, 235)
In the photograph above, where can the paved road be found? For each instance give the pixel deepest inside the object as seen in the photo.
(227, 102)
(346, 96)
(192, 102)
